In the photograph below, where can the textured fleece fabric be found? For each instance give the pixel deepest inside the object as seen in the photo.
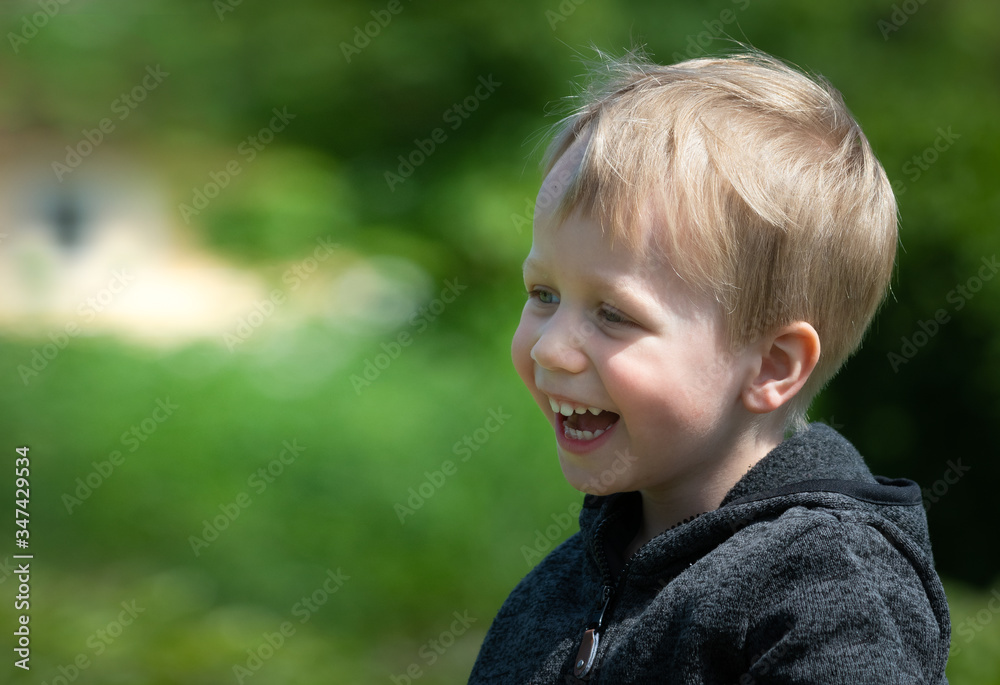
(811, 571)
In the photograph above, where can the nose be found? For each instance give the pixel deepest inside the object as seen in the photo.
(560, 344)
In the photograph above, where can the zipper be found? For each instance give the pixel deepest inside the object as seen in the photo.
(586, 655)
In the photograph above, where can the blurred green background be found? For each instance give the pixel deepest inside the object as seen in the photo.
(240, 439)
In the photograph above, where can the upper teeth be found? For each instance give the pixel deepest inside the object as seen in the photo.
(567, 409)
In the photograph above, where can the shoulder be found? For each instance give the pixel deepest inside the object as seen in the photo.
(801, 536)
(818, 567)
(545, 607)
(557, 574)
(806, 546)
(805, 595)
(821, 581)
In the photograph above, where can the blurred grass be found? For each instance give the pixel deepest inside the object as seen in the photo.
(331, 509)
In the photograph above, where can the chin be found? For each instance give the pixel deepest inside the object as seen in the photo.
(589, 482)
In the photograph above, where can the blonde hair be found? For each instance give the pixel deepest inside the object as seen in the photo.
(753, 179)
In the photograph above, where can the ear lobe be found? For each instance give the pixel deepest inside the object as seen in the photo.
(787, 359)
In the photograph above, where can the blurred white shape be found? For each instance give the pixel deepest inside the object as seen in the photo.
(377, 295)
(100, 250)
(104, 250)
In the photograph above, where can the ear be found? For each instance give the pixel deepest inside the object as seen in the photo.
(787, 358)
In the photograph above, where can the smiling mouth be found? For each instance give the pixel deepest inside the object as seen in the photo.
(582, 423)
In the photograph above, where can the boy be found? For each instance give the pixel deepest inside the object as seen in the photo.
(710, 243)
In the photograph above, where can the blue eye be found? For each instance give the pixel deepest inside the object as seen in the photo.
(544, 296)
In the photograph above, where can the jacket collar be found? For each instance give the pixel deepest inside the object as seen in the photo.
(816, 453)
(815, 460)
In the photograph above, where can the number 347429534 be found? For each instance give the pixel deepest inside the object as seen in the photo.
(22, 496)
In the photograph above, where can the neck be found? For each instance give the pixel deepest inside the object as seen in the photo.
(701, 491)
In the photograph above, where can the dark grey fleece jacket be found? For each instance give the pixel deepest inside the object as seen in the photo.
(811, 571)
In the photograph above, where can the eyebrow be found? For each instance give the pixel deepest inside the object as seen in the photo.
(529, 263)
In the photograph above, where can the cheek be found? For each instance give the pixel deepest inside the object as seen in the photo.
(655, 388)
(520, 351)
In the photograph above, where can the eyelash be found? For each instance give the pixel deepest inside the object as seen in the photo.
(608, 313)
(537, 293)
(613, 316)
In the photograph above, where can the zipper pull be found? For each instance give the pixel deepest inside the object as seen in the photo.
(587, 654)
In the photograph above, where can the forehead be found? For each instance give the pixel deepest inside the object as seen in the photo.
(577, 255)
(558, 179)
(578, 236)
(577, 241)
(579, 246)
(576, 260)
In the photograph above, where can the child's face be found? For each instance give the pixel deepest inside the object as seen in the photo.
(606, 329)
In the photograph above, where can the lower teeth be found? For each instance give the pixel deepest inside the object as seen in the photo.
(581, 435)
